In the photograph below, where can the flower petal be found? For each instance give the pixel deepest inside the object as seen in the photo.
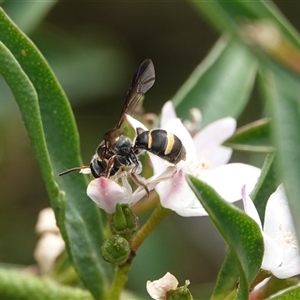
(158, 289)
(47, 250)
(177, 195)
(228, 180)
(287, 270)
(152, 182)
(273, 254)
(250, 208)
(209, 140)
(106, 194)
(168, 113)
(46, 222)
(279, 225)
(135, 123)
(175, 126)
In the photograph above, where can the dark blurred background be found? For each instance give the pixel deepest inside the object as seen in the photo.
(94, 49)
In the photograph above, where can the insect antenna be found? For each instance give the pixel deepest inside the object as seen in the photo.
(75, 169)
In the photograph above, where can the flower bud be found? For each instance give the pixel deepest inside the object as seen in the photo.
(124, 221)
(181, 293)
(115, 250)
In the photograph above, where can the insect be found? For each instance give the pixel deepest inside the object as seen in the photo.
(117, 151)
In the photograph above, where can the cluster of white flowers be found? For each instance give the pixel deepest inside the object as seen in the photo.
(207, 160)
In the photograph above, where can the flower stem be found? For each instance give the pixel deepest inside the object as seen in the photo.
(146, 205)
(158, 215)
(121, 272)
(120, 279)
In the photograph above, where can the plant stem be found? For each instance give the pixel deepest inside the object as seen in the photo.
(146, 205)
(158, 215)
(121, 272)
(120, 279)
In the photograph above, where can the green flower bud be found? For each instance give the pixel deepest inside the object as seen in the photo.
(115, 250)
(181, 293)
(124, 221)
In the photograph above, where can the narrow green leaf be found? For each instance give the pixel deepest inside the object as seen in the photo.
(227, 278)
(78, 217)
(35, 12)
(221, 85)
(265, 186)
(19, 285)
(228, 15)
(282, 89)
(290, 294)
(253, 137)
(240, 232)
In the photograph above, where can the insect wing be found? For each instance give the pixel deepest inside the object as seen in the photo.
(142, 81)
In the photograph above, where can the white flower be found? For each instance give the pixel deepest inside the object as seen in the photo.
(158, 289)
(282, 255)
(51, 244)
(46, 222)
(47, 250)
(107, 193)
(206, 159)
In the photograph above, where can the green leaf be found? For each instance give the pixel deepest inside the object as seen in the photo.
(253, 137)
(35, 12)
(221, 85)
(282, 89)
(240, 232)
(20, 285)
(228, 16)
(77, 215)
(265, 186)
(227, 278)
(290, 294)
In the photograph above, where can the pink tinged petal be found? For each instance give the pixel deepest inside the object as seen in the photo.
(106, 194)
(228, 180)
(175, 126)
(135, 123)
(209, 140)
(279, 225)
(176, 195)
(158, 289)
(168, 113)
(250, 208)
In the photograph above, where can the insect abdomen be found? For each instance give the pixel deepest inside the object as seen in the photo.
(162, 143)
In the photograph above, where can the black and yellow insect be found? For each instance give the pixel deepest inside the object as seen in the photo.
(162, 143)
(117, 150)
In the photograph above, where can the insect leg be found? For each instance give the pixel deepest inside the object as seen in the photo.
(138, 179)
(110, 165)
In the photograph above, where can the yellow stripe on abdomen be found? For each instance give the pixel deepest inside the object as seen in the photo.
(170, 143)
(150, 139)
